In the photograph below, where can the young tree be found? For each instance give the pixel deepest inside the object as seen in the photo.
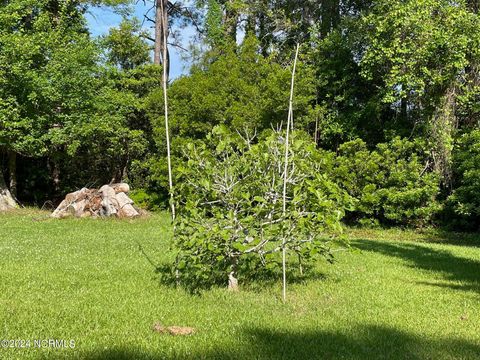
(231, 221)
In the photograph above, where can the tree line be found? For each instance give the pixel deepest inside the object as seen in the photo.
(387, 91)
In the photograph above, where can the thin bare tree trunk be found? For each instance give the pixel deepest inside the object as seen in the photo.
(12, 172)
(263, 34)
(54, 172)
(444, 123)
(161, 35)
(231, 20)
(157, 51)
(165, 32)
(285, 170)
(232, 280)
(160, 56)
(164, 26)
(56, 177)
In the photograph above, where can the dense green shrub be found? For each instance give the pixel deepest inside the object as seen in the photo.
(231, 221)
(147, 200)
(463, 205)
(391, 184)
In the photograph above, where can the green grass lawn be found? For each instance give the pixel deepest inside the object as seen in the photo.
(396, 295)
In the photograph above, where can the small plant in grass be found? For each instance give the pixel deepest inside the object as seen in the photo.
(231, 211)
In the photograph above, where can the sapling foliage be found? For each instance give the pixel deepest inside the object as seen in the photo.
(231, 223)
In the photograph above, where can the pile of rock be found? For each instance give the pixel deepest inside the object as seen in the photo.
(109, 200)
(7, 201)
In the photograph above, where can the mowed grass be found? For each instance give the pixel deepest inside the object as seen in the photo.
(395, 295)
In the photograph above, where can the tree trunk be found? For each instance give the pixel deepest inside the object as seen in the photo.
(232, 280)
(443, 127)
(12, 172)
(404, 110)
(473, 6)
(117, 176)
(300, 265)
(157, 51)
(330, 16)
(231, 21)
(56, 177)
(161, 35)
(161, 51)
(6, 200)
(263, 34)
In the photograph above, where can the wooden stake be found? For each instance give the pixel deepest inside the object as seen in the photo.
(289, 125)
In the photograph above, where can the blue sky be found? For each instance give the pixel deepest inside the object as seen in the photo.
(100, 20)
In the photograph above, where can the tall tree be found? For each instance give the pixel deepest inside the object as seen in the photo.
(170, 16)
(126, 46)
(49, 84)
(43, 46)
(420, 49)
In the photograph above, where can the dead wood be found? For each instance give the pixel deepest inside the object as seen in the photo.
(109, 200)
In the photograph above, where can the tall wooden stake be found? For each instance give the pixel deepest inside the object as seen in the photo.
(285, 170)
(164, 27)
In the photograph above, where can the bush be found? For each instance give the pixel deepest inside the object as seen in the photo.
(463, 205)
(231, 223)
(146, 200)
(391, 184)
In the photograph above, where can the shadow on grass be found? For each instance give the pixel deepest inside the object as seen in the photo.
(453, 238)
(367, 342)
(255, 281)
(119, 354)
(451, 267)
(428, 235)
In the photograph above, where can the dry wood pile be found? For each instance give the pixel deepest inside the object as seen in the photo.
(109, 200)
